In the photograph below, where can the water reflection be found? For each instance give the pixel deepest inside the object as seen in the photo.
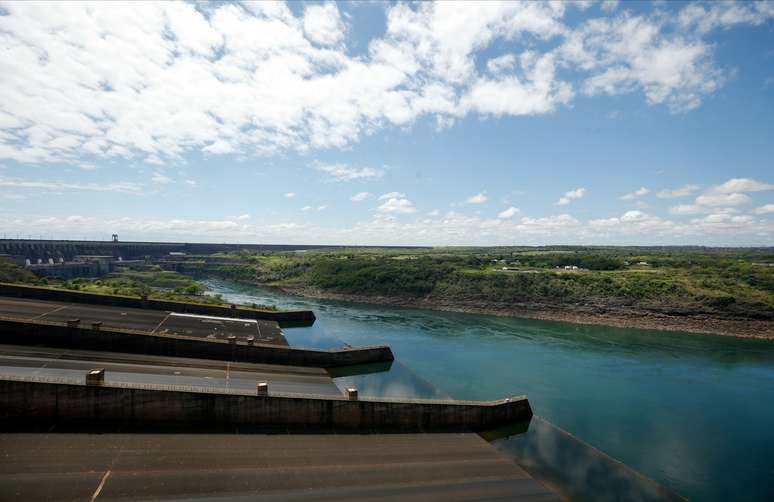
(398, 382)
(575, 469)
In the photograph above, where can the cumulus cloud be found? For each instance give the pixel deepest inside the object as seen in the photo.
(687, 209)
(360, 196)
(742, 185)
(243, 217)
(664, 57)
(707, 17)
(570, 196)
(323, 24)
(508, 213)
(636, 194)
(343, 172)
(396, 203)
(154, 82)
(765, 209)
(683, 191)
(479, 198)
(502, 63)
(723, 199)
(161, 179)
(290, 195)
(392, 195)
(635, 227)
(718, 199)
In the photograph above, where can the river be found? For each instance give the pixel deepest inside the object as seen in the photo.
(693, 412)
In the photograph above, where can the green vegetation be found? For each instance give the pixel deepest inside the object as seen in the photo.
(726, 282)
(11, 272)
(152, 282)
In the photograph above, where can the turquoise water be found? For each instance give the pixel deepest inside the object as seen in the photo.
(693, 412)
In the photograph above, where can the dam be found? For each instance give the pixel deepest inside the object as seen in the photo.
(209, 420)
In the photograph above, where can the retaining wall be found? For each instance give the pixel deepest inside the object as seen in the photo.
(24, 400)
(52, 334)
(285, 319)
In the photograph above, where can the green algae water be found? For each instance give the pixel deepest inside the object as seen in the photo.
(693, 412)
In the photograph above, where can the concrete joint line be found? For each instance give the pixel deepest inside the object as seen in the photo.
(101, 485)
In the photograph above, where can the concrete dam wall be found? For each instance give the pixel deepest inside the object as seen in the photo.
(54, 334)
(66, 402)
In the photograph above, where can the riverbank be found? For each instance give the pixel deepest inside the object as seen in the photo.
(594, 315)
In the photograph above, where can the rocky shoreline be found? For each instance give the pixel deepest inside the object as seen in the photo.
(595, 315)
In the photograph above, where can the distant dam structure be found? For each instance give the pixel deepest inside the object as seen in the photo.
(33, 250)
(43, 249)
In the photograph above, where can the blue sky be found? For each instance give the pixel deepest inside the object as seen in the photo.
(389, 123)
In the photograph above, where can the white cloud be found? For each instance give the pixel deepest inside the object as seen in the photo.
(392, 195)
(502, 63)
(687, 209)
(632, 227)
(360, 196)
(290, 195)
(322, 208)
(636, 194)
(715, 15)
(683, 191)
(630, 53)
(723, 199)
(536, 92)
(479, 198)
(89, 81)
(323, 24)
(243, 217)
(306, 208)
(121, 186)
(396, 203)
(161, 179)
(508, 213)
(343, 172)
(719, 198)
(765, 209)
(570, 196)
(742, 185)
(609, 5)
(434, 212)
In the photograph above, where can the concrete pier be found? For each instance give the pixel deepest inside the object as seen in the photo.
(58, 334)
(66, 401)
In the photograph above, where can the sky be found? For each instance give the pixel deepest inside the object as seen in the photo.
(367, 123)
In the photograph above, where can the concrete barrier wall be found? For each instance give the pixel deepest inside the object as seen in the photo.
(51, 334)
(285, 319)
(68, 403)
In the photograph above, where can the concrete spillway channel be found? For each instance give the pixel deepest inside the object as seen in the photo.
(165, 333)
(54, 386)
(183, 405)
(76, 336)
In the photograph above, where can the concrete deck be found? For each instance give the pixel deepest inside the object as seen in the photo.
(131, 368)
(444, 467)
(150, 321)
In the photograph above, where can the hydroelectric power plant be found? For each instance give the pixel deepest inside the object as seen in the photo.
(108, 397)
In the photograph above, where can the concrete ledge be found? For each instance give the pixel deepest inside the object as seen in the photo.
(51, 334)
(285, 319)
(30, 399)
